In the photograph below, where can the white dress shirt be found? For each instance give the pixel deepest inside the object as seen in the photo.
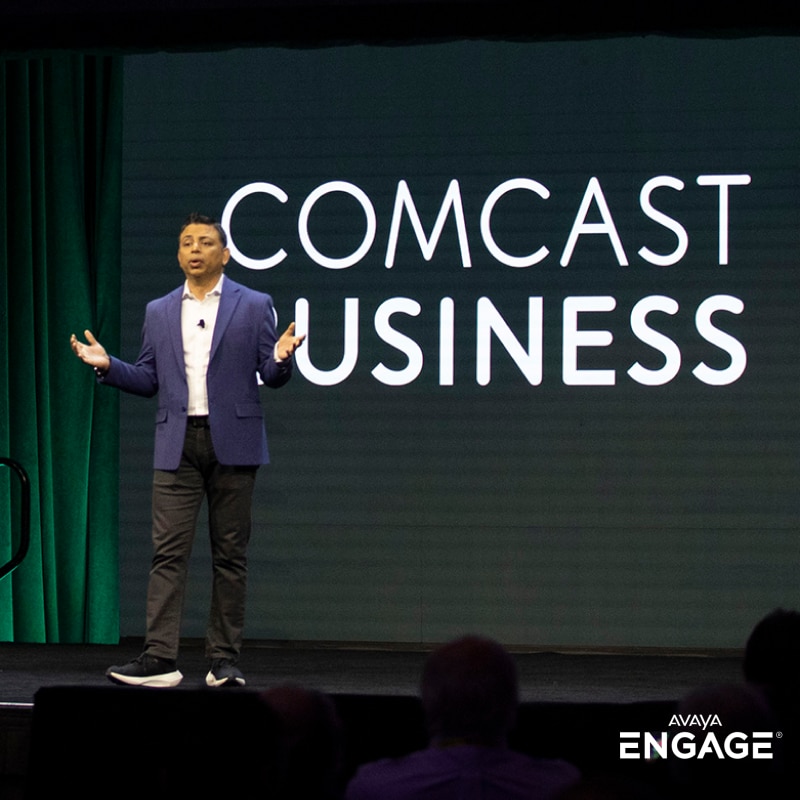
(198, 318)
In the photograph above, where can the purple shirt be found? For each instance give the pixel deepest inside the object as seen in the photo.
(463, 772)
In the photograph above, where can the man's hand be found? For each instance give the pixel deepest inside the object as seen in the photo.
(92, 353)
(287, 344)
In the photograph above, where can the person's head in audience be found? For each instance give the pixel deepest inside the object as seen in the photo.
(736, 710)
(312, 741)
(612, 787)
(772, 663)
(772, 652)
(470, 692)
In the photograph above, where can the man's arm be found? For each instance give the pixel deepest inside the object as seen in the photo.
(288, 343)
(91, 352)
(139, 378)
(275, 353)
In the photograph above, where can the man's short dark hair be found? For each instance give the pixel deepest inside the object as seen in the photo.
(201, 219)
(470, 691)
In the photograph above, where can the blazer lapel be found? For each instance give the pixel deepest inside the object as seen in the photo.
(228, 300)
(174, 327)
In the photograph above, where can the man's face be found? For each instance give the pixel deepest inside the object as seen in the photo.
(201, 254)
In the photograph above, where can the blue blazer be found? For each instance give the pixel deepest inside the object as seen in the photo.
(243, 345)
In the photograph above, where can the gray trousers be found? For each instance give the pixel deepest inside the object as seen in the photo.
(177, 498)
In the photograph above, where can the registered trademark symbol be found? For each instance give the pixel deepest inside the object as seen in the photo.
(779, 735)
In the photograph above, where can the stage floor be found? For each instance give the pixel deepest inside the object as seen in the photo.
(573, 703)
(563, 677)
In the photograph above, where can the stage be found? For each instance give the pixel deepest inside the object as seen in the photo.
(574, 703)
(545, 676)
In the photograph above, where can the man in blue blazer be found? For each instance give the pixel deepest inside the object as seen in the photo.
(204, 345)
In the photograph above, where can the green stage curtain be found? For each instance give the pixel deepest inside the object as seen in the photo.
(60, 178)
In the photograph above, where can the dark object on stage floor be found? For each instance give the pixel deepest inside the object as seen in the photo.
(129, 742)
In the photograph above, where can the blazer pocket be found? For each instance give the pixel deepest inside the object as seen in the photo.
(248, 410)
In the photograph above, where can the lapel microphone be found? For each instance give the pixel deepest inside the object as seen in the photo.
(201, 324)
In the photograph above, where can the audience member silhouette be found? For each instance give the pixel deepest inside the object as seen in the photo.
(614, 787)
(728, 709)
(772, 663)
(312, 743)
(772, 655)
(469, 691)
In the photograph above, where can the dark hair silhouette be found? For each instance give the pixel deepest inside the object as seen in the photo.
(470, 691)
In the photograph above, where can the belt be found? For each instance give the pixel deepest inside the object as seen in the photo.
(197, 422)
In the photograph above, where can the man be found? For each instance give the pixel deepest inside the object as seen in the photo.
(202, 345)
(469, 697)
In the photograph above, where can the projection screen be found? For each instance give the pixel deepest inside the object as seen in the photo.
(549, 387)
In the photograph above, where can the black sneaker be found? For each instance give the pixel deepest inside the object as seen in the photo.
(224, 672)
(146, 671)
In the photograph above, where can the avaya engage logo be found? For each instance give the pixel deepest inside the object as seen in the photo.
(695, 737)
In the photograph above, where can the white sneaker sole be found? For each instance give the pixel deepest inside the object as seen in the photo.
(164, 681)
(212, 681)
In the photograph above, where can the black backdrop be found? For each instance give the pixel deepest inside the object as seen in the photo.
(143, 25)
